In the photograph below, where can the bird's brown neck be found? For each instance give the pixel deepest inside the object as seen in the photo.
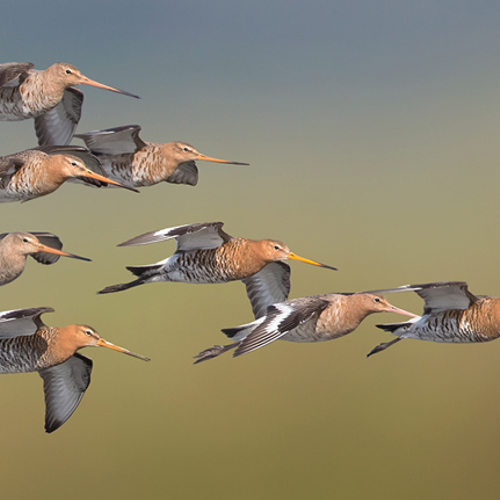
(42, 90)
(11, 264)
(158, 159)
(60, 346)
(54, 176)
(343, 315)
(246, 257)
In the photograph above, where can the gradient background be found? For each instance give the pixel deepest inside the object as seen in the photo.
(372, 133)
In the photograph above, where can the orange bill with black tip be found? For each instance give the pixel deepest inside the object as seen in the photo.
(294, 256)
(93, 175)
(104, 343)
(203, 157)
(55, 251)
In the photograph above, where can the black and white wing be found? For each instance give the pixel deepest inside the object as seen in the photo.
(64, 386)
(190, 237)
(114, 141)
(185, 173)
(13, 74)
(268, 286)
(440, 296)
(282, 318)
(21, 322)
(57, 126)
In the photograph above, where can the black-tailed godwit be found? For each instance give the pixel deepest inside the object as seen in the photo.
(28, 345)
(128, 159)
(451, 314)
(207, 254)
(306, 319)
(48, 96)
(37, 172)
(15, 248)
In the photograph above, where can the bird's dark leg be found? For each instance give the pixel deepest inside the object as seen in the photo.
(383, 346)
(213, 352)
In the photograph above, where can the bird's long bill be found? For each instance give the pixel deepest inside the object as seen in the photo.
(294, 256)
(397, 310)
(93, 83)
(217, 160)
(93, 175)
(104, 343)
(46, 249)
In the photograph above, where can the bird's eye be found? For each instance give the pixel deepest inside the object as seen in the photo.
(26, 240)
(377, 299)
(68, 72)
(277, 247)
(74, 164)
(186, 149)
(88, 333)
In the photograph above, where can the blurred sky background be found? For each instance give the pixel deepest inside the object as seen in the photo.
(371, 129)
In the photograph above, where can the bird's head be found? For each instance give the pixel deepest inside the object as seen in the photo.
(78, 336)
(375, 303)
(274, 250)
(68, 75)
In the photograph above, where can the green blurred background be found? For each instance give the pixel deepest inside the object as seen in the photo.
(372, 133)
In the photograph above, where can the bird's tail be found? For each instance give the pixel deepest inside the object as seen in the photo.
(392, 327)
(142, 270)
(240, 332)
(232, 332)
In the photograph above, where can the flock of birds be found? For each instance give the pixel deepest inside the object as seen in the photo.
(205, 253)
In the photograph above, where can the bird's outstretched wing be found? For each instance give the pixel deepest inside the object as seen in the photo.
(50, 240)
(190, 237)
(114, 141)
(12, 74)
(9, 165)
(268, 286)
(185, 173)
(282, 318)
(57, 126)
(21, 322)
(439, 296)
(64, 386)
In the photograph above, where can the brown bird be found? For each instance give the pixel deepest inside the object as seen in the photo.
(37, 172)
(452, 314)
(206, 254)
(15, 248)
(48, 96)
(28, 345)
(126, 158)
(306, 319)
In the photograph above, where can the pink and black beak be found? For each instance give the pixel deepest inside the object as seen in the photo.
(87, 81)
